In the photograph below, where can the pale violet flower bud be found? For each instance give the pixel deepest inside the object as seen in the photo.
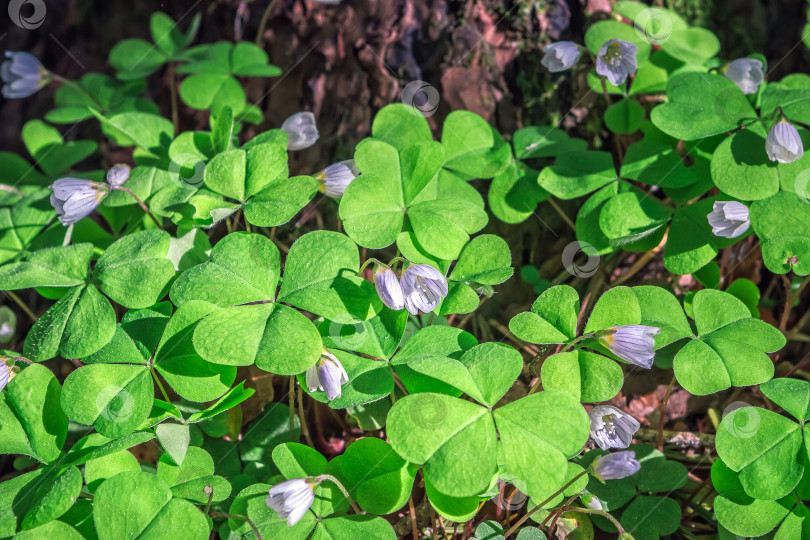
(74, 198)
(327, 375)
(611, 427)
(337, 177)
(746, 73)
(634, 343)
(388, 288)
(8, 324)
(302, 130)
(729, 219)
(424, 288)
(6, 332)
(23, 75)
(783, 143)
(5, 374)
(616, 466)
(292, 498)
(560, 56)
(616, 60)
(591, 501)
(118, 175)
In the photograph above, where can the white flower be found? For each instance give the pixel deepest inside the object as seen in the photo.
(591, 501)
(729, 219)
(616, 60)
(74, 198)
(388, 288)
(23, 75)
(611, 427)
(5, 374)
(560, 56)
(746, 73)
(634, 343)
(292, 498)
(118, 175)
(327, 375)
(783, 143)
(302, 130)
(337, 177)
(616, 466)
(424, 288)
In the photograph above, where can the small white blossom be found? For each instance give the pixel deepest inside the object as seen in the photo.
(729, 219)
(118, 175)
(327, 375)
(616, 466)
(611, 427)
(746, 73)
(560, 56)
(388, 288)
(302, 130)
(292, 498)
(337, 177)
(616, 60)
(424, 288)
(783, 143)
(75, 198)
(634, 343)
(23, 75)
(591, 501)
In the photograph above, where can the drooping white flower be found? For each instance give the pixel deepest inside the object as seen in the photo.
(616, 466)
(5, 374)
(337, 177)
(424, 288)
(327, 375)
(612, 427)
(292, 498)
(634, 343)
(616, 60)
(783, 143)
(118, 175)
(388, 288)
(301, 129)
(729, 219)
(746, 73)
(23, 75)
(560, 56)
(75, 198)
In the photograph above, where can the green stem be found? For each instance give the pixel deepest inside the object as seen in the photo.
(76, 86)
(160, 385)
(22, 305)
(551, 497)
(141, 204)
(335, 481)
(292, 408)
(601, 513)
(263, 23)
(241, 517)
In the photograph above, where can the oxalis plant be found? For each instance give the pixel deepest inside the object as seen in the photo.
(182, 293)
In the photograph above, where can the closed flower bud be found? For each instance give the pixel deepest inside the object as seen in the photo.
(616, 60)
(337, 177)
(301, 129)
(560, 56)
(783, 143)
(74, 198)
(118, 175)
(23, 75)
(292, 498)
(616, 466)
(746, 73)
(327, 375)
(5, 374)
(591, 501)
(424, 288)
(729, 219)
(634, 343)
(388, 288)
(611, 427)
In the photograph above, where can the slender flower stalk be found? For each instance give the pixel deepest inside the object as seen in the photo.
(615, 466)
(327, 375)
(611, 427)
(424, 288)
(746, 73)
(729, 219)
(301, 129)
(336, 178)
(292, 498)
(560, 56)
(784, 143)
(634, 343)
(23, 75)
(616, 60)
(388, 288)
